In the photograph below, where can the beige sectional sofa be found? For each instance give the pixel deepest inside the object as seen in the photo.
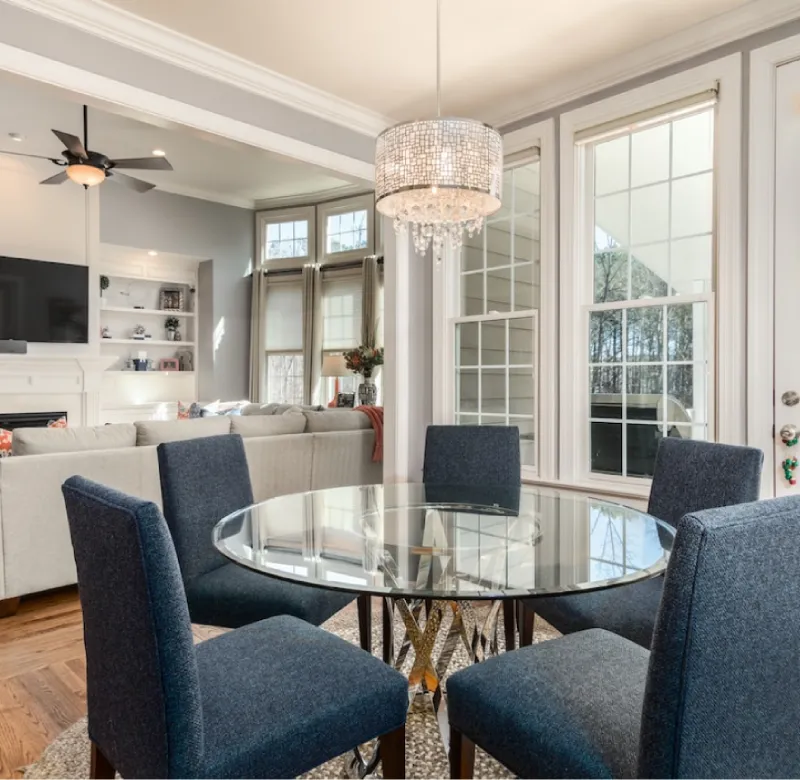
(286, 453)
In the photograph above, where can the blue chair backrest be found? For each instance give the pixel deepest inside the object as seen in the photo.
(472, 455)
(141, 676)
(722, 698)
(690, 476)
(202, 481)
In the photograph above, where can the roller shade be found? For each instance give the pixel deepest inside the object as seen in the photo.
(651, 116)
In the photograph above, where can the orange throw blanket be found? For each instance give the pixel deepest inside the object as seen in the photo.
(375, 414)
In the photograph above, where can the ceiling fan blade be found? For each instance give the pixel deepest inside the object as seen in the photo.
(144, 163)
(73, 144)
(35, 157)
(57, 179)
(129, 181)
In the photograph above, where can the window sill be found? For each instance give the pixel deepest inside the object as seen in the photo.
(605, 489)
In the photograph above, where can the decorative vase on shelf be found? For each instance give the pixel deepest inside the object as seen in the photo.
(367, 392)
(170, 335)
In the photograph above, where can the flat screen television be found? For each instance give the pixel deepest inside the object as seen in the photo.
(43, 302)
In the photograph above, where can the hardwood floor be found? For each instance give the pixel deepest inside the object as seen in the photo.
(42, 676)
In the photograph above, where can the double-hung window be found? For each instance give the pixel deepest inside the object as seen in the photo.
(496, 334)
(648, 193)
(284, 342)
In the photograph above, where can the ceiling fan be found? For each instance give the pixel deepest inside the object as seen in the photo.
(89, 168)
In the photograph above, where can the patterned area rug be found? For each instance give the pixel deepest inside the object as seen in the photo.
(68, 755)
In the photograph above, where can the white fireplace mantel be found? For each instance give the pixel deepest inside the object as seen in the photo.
(43, 383)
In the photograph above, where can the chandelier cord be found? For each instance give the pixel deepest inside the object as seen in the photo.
(438, 58)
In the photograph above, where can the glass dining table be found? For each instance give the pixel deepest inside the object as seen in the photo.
(435, 551)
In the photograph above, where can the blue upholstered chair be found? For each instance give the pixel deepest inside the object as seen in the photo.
(273, 699)
(689, 476)
(479, 455)
(471, 460)
(715, 697)
(202, 481)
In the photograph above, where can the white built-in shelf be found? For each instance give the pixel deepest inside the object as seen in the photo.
(159, 312)
(151, 342)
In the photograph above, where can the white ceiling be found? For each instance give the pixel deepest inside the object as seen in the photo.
(380, 54)
(205, 166)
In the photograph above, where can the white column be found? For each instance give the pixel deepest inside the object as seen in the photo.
(408, 369)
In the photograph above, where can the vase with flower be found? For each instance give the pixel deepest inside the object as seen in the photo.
(364, 360)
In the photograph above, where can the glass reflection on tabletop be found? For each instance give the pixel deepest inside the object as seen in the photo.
(446, 541)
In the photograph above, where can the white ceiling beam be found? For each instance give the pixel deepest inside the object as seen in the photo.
(155, 40)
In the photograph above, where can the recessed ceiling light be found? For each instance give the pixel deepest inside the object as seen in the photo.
(159, 153)
(152, 253)
(18, 137)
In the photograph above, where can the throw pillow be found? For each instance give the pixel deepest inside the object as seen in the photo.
(5, 442)
(61, 422)
(190, 412)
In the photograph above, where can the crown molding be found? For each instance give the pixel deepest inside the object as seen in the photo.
(133, 32)
(754, 17)
(289, 201)
(190, 192)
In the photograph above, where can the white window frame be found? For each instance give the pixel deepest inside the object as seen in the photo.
(276, 217)
(446, 310)
(364, 202)
(575, 295)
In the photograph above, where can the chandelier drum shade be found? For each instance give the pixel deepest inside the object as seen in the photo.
(441, 175)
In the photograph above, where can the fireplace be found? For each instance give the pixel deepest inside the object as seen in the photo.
(28, 419)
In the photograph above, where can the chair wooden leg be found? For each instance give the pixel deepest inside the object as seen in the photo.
(462, 755)
(365, 622)
(510, 623)
(388, 631)
(393, 754)
(9, 607)
(101, 768)
(526, 619)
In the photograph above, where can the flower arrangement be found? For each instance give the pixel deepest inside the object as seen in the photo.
(171, 323)
(363, 360)
(104, 283)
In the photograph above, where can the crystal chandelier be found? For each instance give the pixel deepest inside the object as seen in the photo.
(441, 175)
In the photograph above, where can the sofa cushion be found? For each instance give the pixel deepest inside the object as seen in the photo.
(336, 420)
(157, 431)
(268, 424)
(41, 441)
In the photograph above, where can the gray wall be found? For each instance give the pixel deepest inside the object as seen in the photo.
(225, 235)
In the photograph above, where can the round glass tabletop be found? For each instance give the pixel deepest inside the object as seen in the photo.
(446, 542)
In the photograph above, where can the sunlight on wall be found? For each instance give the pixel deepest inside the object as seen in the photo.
(219, 334)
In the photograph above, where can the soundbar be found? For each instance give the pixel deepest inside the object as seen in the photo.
(13, 347)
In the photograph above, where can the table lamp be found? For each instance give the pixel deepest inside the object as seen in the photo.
(334, 365)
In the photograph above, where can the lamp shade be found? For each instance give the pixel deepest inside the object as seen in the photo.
(87, 175)
(334, 365)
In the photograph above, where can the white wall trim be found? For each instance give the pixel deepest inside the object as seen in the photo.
(749, 19)
(142, 35)
(761, 250)
(93, 85)
(575, 280)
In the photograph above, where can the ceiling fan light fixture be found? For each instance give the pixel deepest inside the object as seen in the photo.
(87, 175)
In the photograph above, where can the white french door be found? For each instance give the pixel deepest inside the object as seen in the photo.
(787, 281)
